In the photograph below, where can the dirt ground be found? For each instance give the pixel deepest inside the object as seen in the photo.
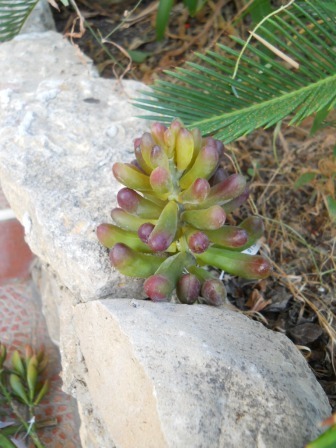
(299, 298)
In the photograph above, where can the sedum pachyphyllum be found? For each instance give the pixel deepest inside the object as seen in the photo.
(171, 219)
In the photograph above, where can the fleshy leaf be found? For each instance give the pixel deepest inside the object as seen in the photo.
(198, 242)
(132, 263)
(127, 221)
(109, 235)
(204, 166)
(228, 237)
(214, 292)
(211, 218)
(236, 263)
(161, 285)
(188, 289)
(132, 202)
(226, 190)
(161, 181)
(164, 232)
(129, 176)
(184, 149)
(196, 193)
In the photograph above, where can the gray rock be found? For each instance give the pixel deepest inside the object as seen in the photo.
(40, 19)
(61, 130)
(167, 375)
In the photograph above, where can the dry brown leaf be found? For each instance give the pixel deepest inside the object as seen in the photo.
(327, 167)
(256, 301)
(54, 4)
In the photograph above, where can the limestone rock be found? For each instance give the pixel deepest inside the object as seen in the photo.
(62, 128)
(166, 375)
(40, 19)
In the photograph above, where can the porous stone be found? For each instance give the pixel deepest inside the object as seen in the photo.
(167, 375)
(62, 128)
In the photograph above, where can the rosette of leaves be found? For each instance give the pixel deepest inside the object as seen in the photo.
(22, 386)
(171, 219)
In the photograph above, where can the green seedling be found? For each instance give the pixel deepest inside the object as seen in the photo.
(22, 385)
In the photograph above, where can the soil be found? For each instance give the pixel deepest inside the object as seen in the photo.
(299, 298)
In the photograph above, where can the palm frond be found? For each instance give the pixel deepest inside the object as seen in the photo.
(265, 89)
(13, 14)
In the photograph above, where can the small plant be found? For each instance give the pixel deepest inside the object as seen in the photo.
(21, 386)
(171, 217)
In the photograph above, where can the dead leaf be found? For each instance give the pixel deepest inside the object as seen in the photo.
(327, 167)
(54, 4)
(256, 301)
(305, 334)
(280, 299)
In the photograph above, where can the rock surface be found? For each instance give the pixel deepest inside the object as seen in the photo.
(66, 128)
(167, 375)
(40, 19)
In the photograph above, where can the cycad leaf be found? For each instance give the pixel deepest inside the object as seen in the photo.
(13, 14)
(265, 89)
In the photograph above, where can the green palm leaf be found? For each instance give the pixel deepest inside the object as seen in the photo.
(265, 89)
(13, 14)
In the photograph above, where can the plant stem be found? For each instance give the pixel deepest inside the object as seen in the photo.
(32, 427)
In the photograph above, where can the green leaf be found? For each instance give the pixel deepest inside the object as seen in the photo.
(32, 375)
(138, 56)
(5, 442)
(326, 440)
(331, 6)
(331, 207)
(18, 387)
(304, 179)
(17, 364)
(13, 15)
(265, 89)
(194, 5)
(42, 392)
(259, 9)
(11, 429)
(320, 117)
(162, 17)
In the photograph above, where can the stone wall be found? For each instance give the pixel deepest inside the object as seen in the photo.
(145, 375)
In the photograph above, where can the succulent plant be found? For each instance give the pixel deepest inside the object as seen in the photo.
(171, 217)
(22, 382)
